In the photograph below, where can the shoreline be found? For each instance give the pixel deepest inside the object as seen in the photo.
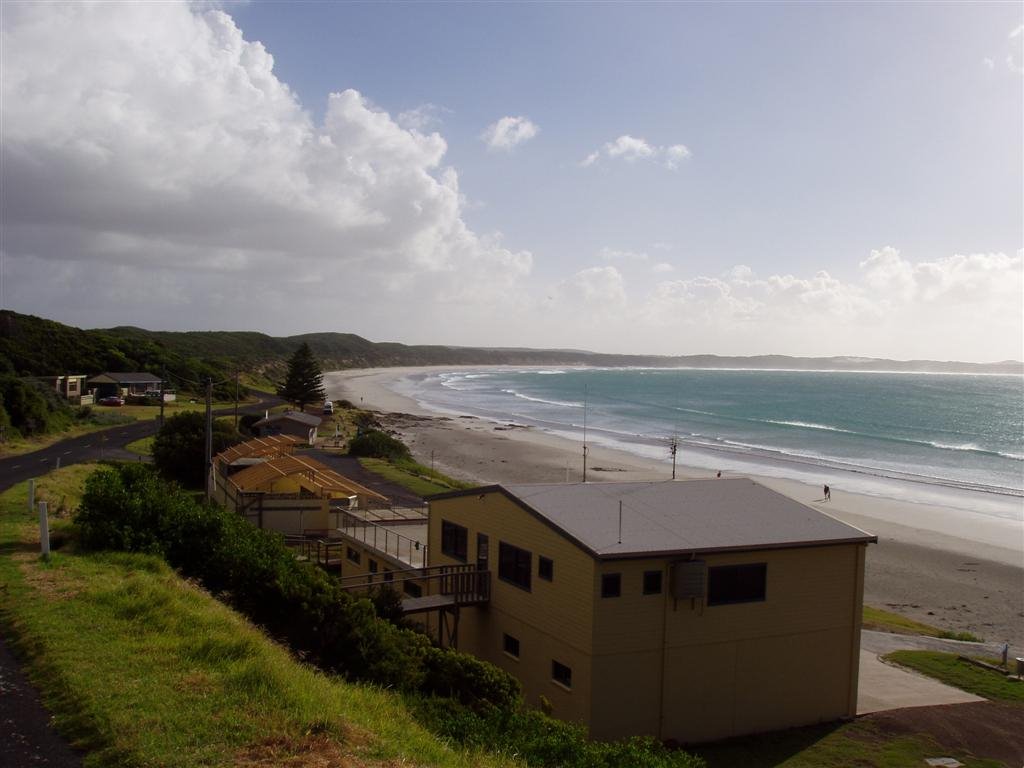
(938, 563)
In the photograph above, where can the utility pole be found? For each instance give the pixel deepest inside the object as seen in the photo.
(236, 400)
(209, 437)
(673, 448)
(584, 434)
(163, 378)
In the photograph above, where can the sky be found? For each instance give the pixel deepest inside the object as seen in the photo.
(736, 179)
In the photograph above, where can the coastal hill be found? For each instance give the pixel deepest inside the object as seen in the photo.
(31, 345)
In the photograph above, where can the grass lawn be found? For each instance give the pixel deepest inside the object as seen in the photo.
(947, 668)
(143, 446)
(142, 668)
(103, 417)
(857, 743)
(420, 480)
(886, 621)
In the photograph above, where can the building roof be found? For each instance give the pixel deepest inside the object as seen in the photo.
(259, 447)
(308, 472)
(674, 517)
(124, 378)
(302, 418)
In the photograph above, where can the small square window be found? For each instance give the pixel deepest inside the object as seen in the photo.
(352, 554)
(546, 568)
(611, 585)
(511, 645)
(561, 674)
(652, 582)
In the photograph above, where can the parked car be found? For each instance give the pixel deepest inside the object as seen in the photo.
(328, 408)
(112, 400)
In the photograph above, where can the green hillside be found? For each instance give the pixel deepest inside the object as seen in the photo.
(34, 346)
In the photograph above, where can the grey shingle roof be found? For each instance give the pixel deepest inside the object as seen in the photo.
(302, 418)
(125, 378)
(676, 517)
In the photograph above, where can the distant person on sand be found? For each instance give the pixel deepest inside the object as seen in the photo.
(719, 473)
(828, 493)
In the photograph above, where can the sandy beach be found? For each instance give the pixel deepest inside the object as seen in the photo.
(934, 562)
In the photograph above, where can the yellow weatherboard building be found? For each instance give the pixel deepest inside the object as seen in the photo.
(691, 611)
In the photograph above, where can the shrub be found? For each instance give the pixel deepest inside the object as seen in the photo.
(180, 446)
(130, 508)
(375, 444)
(31, 408)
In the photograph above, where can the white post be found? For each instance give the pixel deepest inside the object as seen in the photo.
(58, 462)
(44, 531)
(31, 494)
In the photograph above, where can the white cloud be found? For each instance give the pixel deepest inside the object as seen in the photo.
(151, 144)
(509, 132)
(632, 149)
(661, 267)
(422, 117)
(989, 63)
(612, 254)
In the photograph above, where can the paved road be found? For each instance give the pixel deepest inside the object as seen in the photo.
(886, 642)
(96, 446)
(27, 737)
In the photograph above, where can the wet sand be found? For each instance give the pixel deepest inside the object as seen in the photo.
(954, 569)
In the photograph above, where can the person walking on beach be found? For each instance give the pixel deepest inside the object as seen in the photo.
(828, 493)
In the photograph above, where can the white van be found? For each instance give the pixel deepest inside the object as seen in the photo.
(328, 408)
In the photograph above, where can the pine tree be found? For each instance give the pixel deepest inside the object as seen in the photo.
(305, 381)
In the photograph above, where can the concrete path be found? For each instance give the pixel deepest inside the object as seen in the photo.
(885, 686)
(887, 642)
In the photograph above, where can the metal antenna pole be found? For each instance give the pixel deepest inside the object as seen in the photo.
(209, 436)
(620, 521)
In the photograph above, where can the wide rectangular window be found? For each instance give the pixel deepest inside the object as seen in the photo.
(737, 583)
(611, 585)
(352, 554)
(652, 582)
(511, 645)
(514, 565)
(454, 540)
(561, 673)
(545, 568)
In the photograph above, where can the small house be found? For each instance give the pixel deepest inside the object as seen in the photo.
(302, 425)
(114, 384)
(69, 386)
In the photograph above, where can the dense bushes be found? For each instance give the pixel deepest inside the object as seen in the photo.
(179, 450)
(31, 408)
(375, 444)
(130, 508)
(540, 740)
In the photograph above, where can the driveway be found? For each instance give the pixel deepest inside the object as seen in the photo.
(884, 686)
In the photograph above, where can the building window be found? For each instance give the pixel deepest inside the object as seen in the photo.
(652, 582)
(352, 554)
(514, 565)
(545, 568)
(412, 589)
(611, 585)
(561, 674)
(373, 565)
(511, 645)
(388, 575)
(454, 540)
(729, 584)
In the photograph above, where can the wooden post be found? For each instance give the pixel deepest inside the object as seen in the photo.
(44, 531)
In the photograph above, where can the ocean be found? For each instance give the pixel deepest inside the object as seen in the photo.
(960, 431)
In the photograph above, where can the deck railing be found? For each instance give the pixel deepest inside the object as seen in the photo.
(465, 583)
(383, 539)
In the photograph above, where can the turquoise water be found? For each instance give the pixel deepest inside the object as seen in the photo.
(957, 430)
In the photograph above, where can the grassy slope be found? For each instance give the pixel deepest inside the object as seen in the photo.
(886, 621)
(421, 480)
(142, 668)
(947, 668)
